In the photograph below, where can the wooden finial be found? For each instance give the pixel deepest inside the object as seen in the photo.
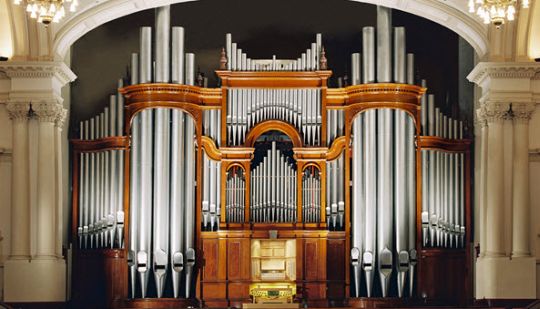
(223, 60)
(324, 62)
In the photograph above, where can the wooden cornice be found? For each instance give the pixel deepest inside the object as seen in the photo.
(376, 95)
(274, 79)
(444, 144)
(102, 144)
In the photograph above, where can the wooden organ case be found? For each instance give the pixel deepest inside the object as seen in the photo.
(267, 184)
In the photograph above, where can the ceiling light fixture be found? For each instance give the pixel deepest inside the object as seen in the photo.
(47, 11)
(496, 12)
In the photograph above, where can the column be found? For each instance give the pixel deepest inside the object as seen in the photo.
(495, 114)
(520, 194)
(481, 121)
(20, 206)
(58, 126)
(46, 113)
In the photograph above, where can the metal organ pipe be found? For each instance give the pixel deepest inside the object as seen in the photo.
(400, 73)
(384, 43)
(177, 196)
(368, 54)
(178, 56)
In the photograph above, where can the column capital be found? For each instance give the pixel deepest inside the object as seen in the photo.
(522, 112)
(61, 117)
(493, 112)
(48, 111)
(18, 110)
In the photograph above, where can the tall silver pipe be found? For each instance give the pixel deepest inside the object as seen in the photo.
(178, 55)
(177, 198)
(190, 69)
(369, 255)
(163, 37)
(145, 54)
(358, 207)
(135, 202)
(86, 193)
(451, 202)
(82, 163)
(385, 197)
(120, 157)
(144, 258)
(189, 233)
(432, 172)
(134, 69)
(384, 44)
(410, 69)
(461, 193)
(103, 193)
(161, 197)
(400, 61)
(438, 181)
(368, 54)
(93, 181)
(113, 173)
(401, 203)
(411, 196)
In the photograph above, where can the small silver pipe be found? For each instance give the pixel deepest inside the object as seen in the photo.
(228, 49)
(318, 41)
(145, 63)
(410, 69)
(368, 54)
(134, 69)
(233, 57)
(190, 69)
(178, 55)
(355, 69)
(399, 56)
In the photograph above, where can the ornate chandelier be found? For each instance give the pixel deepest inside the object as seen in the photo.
(47, 11)
(496, 12)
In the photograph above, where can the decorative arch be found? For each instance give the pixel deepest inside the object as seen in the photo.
(451, 15)
(273, 125)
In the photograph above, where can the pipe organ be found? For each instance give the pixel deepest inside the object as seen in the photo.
(273, 186)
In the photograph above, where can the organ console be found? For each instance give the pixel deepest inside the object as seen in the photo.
(273, 186)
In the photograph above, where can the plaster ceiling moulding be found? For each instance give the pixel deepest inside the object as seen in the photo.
(92, 16)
